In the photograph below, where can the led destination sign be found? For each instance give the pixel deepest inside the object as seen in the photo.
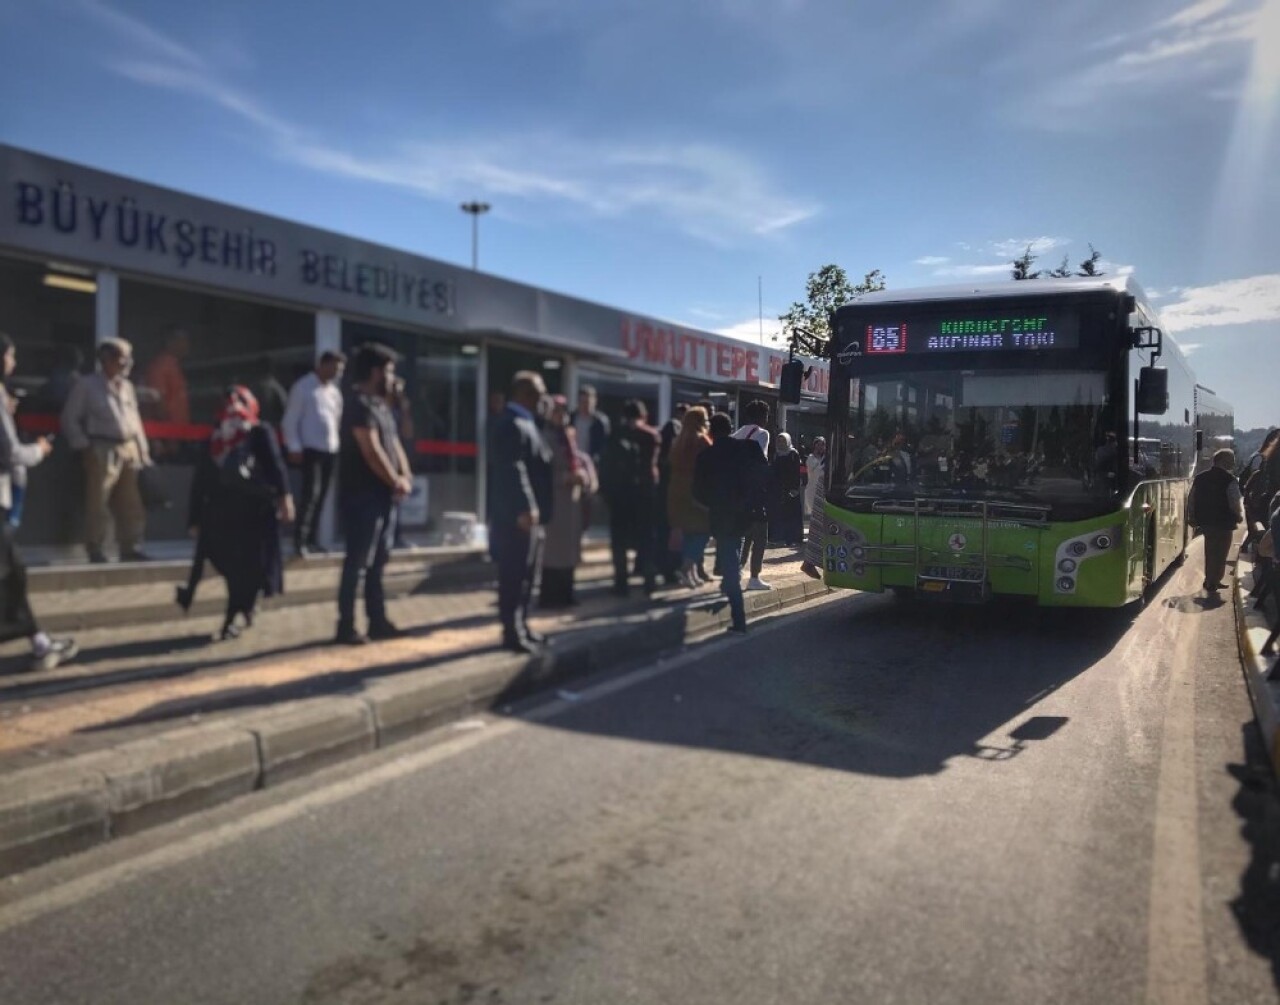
(983, 333)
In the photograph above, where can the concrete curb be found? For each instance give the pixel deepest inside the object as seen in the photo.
(1252, 630)
(61, 808)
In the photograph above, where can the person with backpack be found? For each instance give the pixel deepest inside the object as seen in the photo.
(1216, 509)
(730, 479)
(629, 482)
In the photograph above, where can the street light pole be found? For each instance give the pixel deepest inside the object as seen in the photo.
(474, 209)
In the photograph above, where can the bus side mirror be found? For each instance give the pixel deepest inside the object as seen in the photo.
(1153, 391)
(790, 381)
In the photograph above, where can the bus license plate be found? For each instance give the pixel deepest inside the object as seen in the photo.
(933, 586)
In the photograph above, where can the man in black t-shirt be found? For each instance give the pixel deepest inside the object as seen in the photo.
(373, 477)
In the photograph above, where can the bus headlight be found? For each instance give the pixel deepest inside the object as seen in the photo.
(859, 570)
(858, 552)
(1066, 584)
(1102, 542)
(1067, 565)
(1077, 548)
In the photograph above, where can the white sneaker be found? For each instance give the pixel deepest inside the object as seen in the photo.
(60, 651)
(756, 583)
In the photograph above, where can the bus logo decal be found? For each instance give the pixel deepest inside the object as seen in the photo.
(957, 541)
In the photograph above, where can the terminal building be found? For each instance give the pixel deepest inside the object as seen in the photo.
(86, 255)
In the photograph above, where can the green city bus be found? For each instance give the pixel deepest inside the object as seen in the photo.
(1030, 439)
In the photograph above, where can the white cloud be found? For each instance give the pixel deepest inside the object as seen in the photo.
(932, 260)
(974, 271)
(749, 331)
(1015, 246)
(706, 191)
(1233, 302)
(1191, 50)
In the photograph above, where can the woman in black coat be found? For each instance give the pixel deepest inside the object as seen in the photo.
(239, 497)
(786, 494)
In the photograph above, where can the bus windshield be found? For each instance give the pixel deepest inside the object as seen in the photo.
(1043, 438)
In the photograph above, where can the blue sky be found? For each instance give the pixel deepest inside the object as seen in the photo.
(661, 155)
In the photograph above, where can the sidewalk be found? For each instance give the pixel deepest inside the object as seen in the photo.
(1254, 626)
(156, 721)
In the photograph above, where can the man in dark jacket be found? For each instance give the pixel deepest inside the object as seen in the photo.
(591, 426)
(730, 479)
(629, 481)
(1216, 509)
(519, 506)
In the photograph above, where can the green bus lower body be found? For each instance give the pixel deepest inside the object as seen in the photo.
(959, 551)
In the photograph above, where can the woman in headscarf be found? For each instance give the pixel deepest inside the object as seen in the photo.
(686, 514)
(239, 497)
(563, 549)
(786, 503)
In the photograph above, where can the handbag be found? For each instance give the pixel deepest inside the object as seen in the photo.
(152, 492)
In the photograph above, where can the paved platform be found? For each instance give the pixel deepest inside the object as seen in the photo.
(134, 680)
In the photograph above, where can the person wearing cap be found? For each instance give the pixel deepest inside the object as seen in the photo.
(311, 425)
(101, 421)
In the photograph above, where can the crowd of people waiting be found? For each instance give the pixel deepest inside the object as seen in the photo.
(668, 492)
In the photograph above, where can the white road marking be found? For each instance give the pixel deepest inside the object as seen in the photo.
(74, 891)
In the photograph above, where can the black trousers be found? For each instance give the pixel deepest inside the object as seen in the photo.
(516, 553)
(631, 523)
(753, 544)
(16, 619)
(317, 473)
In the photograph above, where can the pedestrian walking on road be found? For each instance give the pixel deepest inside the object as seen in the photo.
(16, 618)
(520, 504)
(756, 430)
(730, 479)
(239, 498)
(101, 420)
(666, 544)
(1216, 509)
(312, 426)
(569, 478)
(688, 516)
(373, 475)
(629, 481)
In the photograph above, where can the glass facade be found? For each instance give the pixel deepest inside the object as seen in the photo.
(49, 314)
(188, 347)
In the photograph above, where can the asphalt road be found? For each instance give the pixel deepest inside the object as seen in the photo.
(869, 802)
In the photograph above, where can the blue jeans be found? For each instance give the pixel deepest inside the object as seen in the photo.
(694, 548)
(368, 525)
(729, 559)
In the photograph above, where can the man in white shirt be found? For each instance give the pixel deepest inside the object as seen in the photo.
(756, 429)
(311, 423)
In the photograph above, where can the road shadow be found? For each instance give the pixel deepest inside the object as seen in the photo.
(871, 685)
(1257, 803)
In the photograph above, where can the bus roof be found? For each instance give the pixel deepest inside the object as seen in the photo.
(1008, 288)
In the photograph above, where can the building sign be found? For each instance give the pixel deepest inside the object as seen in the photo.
(70, 213)
(682, 352)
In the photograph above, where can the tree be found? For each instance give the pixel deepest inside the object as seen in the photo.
(1089, 267)
(1063, 271)
(1022, 266)
(806, 326)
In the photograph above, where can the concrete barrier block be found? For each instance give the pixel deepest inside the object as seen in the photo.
(302, 737)
(791, 593)
(182, 771)
(414, 703)
(48, 812)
